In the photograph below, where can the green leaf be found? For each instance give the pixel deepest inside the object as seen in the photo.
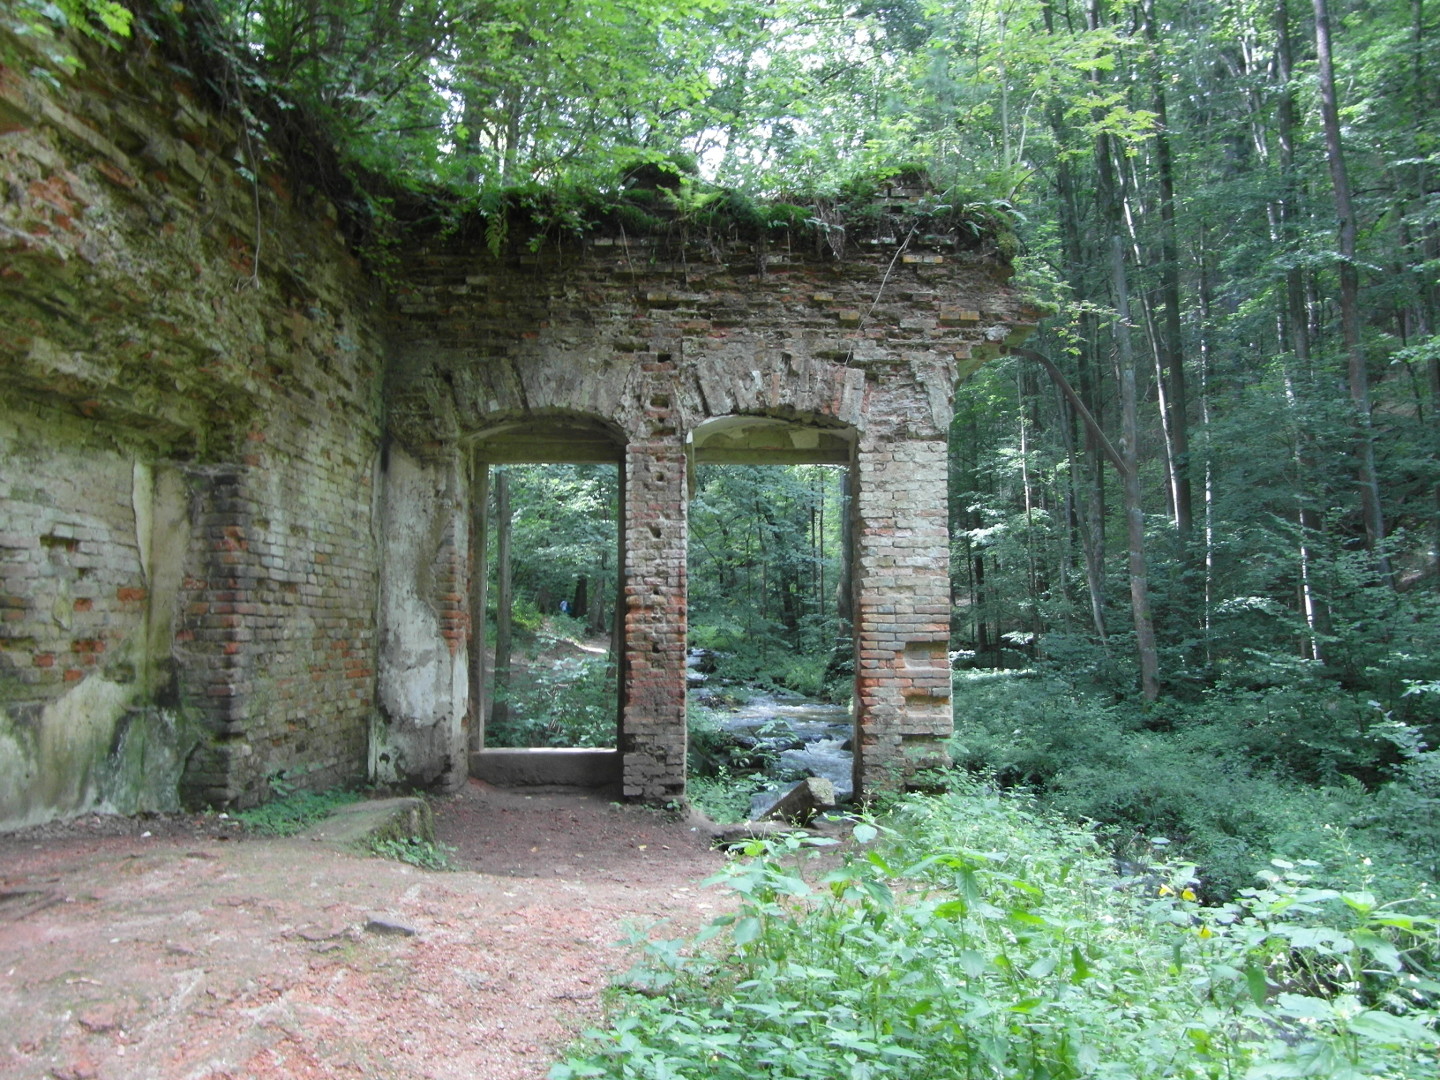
(1042, 967)
(1256, 983)
(1395, 1031)
(746, 930)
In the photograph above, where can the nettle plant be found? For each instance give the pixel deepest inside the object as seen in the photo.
(969, 936)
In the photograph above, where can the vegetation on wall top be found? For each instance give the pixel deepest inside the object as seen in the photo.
(526, 121)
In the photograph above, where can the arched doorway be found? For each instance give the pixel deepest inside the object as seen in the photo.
(770, 589)
(556, 720)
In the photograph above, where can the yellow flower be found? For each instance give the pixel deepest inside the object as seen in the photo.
(1188, 894)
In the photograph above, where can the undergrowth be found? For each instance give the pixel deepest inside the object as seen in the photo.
(973, 936)
(416, 851)
(1301, 771)
(295, 811)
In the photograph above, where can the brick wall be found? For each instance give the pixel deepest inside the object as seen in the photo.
(652, 743)
(194, 381)
(660, 336)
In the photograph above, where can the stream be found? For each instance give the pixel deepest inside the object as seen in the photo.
(809, 738)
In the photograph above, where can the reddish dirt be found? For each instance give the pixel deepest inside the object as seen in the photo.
(173, 948)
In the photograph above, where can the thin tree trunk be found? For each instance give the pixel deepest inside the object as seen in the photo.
(1177, 405)
(1359, 377)
(1208, 594)
(1094, 563)
(500, 706)
(1310, 644)
(1032, 575)
(1134, 513)
(1285, 124)
(597, 623)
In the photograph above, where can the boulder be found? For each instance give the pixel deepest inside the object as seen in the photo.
(801, 802)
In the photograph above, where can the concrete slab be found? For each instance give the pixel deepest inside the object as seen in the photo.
(376, 819)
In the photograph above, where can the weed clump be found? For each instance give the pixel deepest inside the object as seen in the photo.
(295, 811)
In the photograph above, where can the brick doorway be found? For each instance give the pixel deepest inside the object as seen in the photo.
(794, 570)
(528, 453)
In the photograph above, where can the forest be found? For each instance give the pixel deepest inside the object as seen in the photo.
(1195, 520)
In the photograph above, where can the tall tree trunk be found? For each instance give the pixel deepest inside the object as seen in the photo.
(1087, 490)
(1134, 513)
(479, 589)
(1094, 561)
(1359, 377)
(597, 623)
(1025, 393)
(1297, 318)
(1427, 302)
(504, 600)
(1208, 593)
(1171, 351)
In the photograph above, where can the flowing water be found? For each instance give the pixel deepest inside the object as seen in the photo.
(813, 738)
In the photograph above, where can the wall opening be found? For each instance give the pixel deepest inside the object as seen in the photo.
(556, 683)
(770, 592)
(547, 621)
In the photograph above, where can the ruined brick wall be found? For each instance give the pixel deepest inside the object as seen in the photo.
(660, 335)
(189, 429)
(234, 487)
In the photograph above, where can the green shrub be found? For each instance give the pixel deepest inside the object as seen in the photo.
(973, 937)
(724, 796)
(569, 703)
(416, 851)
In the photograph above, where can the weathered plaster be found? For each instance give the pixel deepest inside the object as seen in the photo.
(423, 686)
(80, 727)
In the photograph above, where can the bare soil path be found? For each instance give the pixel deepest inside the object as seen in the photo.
(173, 948)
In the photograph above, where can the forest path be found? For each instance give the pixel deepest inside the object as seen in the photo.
(170, 947)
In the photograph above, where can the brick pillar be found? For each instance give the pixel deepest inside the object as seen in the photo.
(902, 626)
(652, 734)
(218, 646)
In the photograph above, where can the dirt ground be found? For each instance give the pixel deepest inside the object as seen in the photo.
(175, 948)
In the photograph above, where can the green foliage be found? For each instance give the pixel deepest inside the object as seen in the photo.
(294, 811)
(426, 854)
(1299, 770)
(570, 702)
(970, 936)
(765, 564)
(565, 519)
(45, 24)
(723, 796)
